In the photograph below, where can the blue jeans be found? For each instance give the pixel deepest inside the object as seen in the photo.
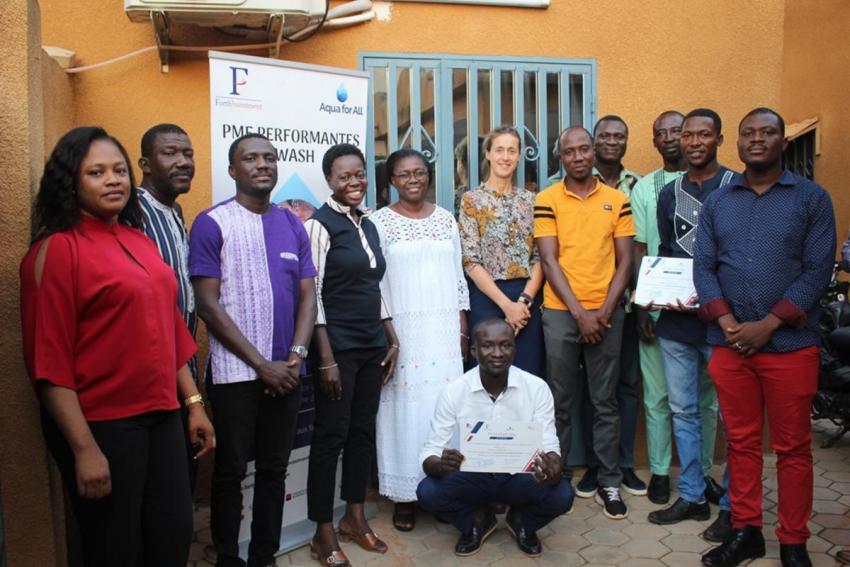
(455, 497)
(683, 369)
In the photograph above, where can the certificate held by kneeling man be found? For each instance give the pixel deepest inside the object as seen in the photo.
(500, 446)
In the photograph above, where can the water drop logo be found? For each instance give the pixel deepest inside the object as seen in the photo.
(341, 93)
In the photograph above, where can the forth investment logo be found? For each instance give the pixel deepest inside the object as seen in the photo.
(238, 78)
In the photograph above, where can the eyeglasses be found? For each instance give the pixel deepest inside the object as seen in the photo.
(406, 176)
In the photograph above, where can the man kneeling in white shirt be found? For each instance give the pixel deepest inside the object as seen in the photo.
(493, 391)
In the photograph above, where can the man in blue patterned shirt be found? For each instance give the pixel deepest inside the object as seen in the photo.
(763, 257)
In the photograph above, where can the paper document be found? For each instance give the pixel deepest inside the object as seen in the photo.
(662, 281)
(500, 447)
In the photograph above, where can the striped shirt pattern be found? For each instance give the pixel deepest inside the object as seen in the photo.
(164, 225)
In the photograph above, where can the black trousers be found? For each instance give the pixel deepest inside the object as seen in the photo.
(346, 425)
(147, 519)
(249, 423)
(190, 450)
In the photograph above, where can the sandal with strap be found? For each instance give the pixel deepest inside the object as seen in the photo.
(335, 558)
(404, 518)
(368, 541)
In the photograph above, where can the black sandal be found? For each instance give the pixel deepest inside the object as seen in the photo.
(404, 518)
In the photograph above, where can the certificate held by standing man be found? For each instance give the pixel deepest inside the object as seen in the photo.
(666, 281)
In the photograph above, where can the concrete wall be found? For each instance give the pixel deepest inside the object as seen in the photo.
(816, 81)
(652, 55)
(28, 495)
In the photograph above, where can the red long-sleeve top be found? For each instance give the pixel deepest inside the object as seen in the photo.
(103, 320)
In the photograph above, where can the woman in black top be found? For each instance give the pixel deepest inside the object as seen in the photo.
(357, 349)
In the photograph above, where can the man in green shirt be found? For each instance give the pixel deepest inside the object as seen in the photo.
(666, 131)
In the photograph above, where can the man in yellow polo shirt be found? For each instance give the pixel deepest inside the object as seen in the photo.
(583, 230)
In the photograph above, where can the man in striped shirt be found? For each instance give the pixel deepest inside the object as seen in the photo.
(168, 166)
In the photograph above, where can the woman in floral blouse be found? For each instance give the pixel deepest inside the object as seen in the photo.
(496, 222)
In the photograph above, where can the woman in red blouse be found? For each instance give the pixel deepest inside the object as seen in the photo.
(106, 348)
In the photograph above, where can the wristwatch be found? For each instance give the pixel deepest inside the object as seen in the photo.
(525, 298)
(300, 350)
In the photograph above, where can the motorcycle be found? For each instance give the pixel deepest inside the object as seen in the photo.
(832, 400)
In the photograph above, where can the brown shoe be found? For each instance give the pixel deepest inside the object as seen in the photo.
(335, 558)
(368, 541)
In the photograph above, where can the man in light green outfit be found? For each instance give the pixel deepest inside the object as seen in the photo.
(666, 131)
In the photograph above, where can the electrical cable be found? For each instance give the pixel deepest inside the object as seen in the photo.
(293, 39)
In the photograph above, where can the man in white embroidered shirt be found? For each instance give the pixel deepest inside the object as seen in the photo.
(494, 390)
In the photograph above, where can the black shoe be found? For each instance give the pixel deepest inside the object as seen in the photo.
(612, 505)
(659, 489)
(720, 529)
(794, 555)
(843, 556)
(679, 511)
(713, 491)
(588, 484)
(631, 483)
(470, 543)
(526, 541)
(744, 543)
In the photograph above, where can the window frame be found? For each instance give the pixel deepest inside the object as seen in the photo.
(444, 65)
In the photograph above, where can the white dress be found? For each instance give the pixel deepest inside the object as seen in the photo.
(425, 288)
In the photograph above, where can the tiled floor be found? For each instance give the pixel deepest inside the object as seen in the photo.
(586, 537)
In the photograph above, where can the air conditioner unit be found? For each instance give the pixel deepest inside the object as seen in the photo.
(273, 18)
(224, 13)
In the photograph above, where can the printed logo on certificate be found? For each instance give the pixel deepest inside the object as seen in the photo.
(500, 446)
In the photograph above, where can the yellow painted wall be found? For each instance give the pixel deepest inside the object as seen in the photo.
(652, 55)
(816, 81)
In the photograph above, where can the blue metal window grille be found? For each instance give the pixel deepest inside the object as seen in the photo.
(437, 103)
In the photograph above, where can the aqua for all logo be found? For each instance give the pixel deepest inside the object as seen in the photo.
(341, 108)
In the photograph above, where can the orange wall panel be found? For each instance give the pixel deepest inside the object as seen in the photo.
(816, 81)
(651, 54)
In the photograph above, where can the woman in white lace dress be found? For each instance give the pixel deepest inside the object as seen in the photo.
(428, 297)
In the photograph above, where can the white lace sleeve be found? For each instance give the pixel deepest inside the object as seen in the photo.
(462, 288)
(386, 298)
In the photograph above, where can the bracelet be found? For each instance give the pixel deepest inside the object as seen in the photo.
(394, 346)
(464, 336)
(528, 300)
(328, 367)
(194, 399)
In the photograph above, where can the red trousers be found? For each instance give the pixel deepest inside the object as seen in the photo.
(784, 384)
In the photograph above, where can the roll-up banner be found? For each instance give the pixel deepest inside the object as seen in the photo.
(303, 110)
